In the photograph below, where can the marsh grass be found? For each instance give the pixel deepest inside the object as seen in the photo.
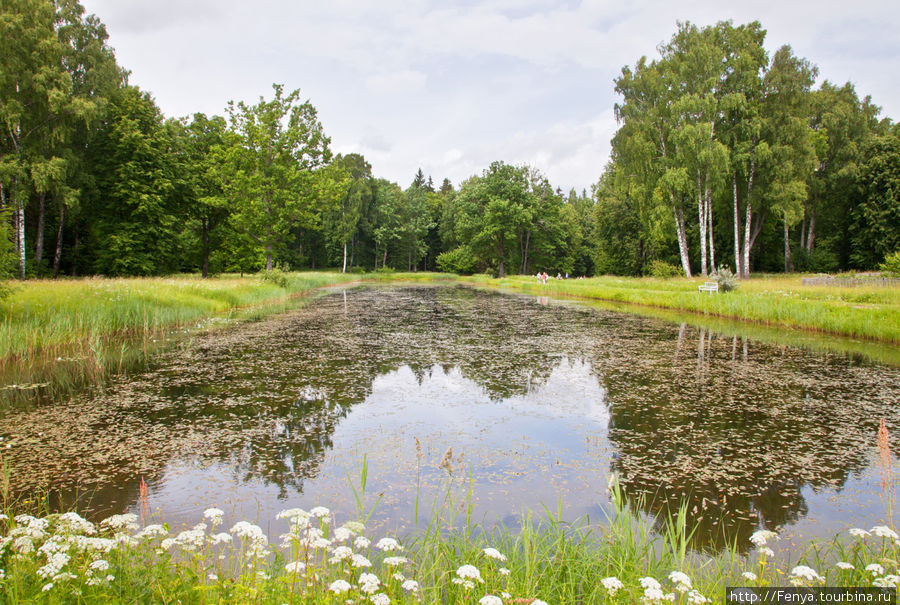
(868, 312)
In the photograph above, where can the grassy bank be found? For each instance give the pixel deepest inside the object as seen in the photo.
(860, 312)
(64, 558)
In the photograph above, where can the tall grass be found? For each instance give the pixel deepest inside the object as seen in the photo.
(64, 558)
(861, 312)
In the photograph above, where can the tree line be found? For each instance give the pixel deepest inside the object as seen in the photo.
(719, 147)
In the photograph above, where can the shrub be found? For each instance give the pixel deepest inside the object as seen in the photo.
(662, 269)
(891, 263)
(725, 278)
(276, 276)
(385, 270)
(458, 260)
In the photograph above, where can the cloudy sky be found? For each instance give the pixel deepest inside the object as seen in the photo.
(451, 86)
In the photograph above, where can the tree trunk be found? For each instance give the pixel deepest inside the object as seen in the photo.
(500, 268)
(701, 212)
(352, 252)
(709, 228)
(20, 233)
(268, 257)
(344, 266)
(682, 240)
(811, 233)
(788, 264)
(39, 237)
(57, 256)
(527, 245)
(737, 227)
(384, 259)
(75, 254)
(204, 269)
(745, 265)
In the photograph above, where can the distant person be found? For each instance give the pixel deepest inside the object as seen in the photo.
(558, 275)
(545, 277)
(539, 277)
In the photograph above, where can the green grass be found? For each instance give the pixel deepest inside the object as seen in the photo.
(64, 559)
(859, 312)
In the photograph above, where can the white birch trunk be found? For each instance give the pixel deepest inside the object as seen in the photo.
(701, 212)
(737, 228)
(682, 241)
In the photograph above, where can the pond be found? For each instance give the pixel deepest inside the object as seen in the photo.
(531, 404)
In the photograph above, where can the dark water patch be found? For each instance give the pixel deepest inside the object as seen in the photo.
(540, 404)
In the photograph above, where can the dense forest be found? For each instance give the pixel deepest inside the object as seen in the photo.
(725, 155)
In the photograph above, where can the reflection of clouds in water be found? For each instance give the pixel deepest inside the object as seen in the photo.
(447, 398)
(572, 389)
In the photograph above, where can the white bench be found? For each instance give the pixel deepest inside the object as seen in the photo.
(710, 286)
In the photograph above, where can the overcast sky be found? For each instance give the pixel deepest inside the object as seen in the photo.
(451, 86)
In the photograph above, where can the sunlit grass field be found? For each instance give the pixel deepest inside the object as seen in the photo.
(869, 312)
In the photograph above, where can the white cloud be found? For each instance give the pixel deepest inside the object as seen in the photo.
(452, 86)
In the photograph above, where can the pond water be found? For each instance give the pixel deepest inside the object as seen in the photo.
(540, 401)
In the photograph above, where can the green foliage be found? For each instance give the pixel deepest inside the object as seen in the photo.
(459, 260)
(663, 270)
(725, 277)
(274, 276)
(822, 259)
(891, 263)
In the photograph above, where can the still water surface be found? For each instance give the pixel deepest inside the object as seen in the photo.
(540, 401)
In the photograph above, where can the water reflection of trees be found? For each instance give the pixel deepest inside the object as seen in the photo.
(730, 429)
(734, 431)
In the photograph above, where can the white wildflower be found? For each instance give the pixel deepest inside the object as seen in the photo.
(214, 515)
(505, 595)
(220, 538)
(340, 553)
(695, 598)
(844, 565)
(879, 583)
(361, 542)
(110, 578)
(295, 567)
(802, 572)
(493, 553)
(538, 602)
(760, 537)
(883, 531)
(99, 565)
(76, 524)
(469, 572)
(410, 585)
(466, 584)
(341, 534)
(891, 580)
(749, 575)
(681, 580)
(167, 543)
(357, 560)
(648, 582)
(398, 576)
(354, 527)
(61, 577)
(212, 577)
(339, 586)
(388, 544)
(503, 571)
(612, 585)
(320, 512)
(380, 599)
(126, 522)
(152, 531)
(368, 583)
(47, 587)
(859, 533)
(765, 550)
(55, 563)
(293, 515)
(875, 568)
(394, 561)
(491, 600)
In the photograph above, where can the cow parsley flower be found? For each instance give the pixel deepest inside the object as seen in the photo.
(341, 553)
(749, 575)
(883, 531)
(339, 586)
(295, 567)
(341, 534)
(126, 522)
(648, 582)
(875, 568)
(320, 512)
(388, 545)
(503, 571)
(99, 565)
(493, 553)
(765, 550)
(844, 565)
(803, 573)
(695, 598)
(491, 600)
(357, 560)
(76, 524)
(368, 583)
(410, 585)
(760, 537)
(681, 580)
(380, 599)
(214, 515)
(469, 572)
(859, 533)
(361, 542)
(152, 531)
(612, 585)
(394, 561)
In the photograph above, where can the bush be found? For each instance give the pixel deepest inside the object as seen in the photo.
(891, 263)
(458, 260)
(385, 270)
(276, 276)
(662, 269)
(358, 270)
(820, 260)
(725, 278)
